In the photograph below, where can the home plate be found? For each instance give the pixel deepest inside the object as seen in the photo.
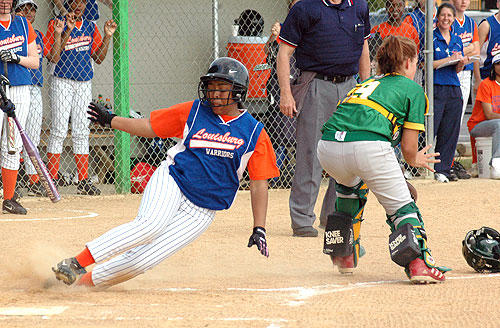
(43, 311)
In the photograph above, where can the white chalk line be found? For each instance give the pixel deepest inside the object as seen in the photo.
(86, 215)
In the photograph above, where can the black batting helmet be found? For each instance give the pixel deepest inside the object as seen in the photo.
(481, 249)
(228, 70)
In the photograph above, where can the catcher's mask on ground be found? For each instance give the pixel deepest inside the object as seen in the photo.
(481, 249)
(228, 70)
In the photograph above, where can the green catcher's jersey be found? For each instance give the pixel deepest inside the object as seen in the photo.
(377, 109)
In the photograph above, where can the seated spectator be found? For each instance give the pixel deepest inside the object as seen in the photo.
(61, 8)
(71, 90)
(395, 24)
(485, 118)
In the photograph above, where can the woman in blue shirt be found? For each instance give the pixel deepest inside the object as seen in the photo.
(448, 61)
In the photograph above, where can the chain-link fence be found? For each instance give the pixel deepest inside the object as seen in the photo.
(154, 60)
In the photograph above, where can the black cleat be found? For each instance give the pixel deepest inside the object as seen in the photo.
(13, 207)
(85, 187)
(69, 270)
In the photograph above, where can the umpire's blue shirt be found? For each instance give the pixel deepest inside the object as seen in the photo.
(448, 74)
(328, 38)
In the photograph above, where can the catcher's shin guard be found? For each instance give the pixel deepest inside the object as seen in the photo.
(339, 238)
(352, 201)
(408, 240)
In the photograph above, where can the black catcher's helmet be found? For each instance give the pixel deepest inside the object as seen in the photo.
(250, 22)
(228, 70)
(481, 249)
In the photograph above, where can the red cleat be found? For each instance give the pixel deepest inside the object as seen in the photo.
(344, 264)
(420, 273)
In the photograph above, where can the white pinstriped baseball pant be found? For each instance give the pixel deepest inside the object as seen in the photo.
(167, 221)
(20, 96)
(33, 125)
(69, 97)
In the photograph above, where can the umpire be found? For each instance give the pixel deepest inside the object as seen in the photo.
(330, 40)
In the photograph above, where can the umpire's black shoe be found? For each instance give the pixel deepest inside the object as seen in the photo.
(13, 207)
(85, 187)
(305, 232)
(37, 189)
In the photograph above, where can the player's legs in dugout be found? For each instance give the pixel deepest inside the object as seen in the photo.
(167, 221)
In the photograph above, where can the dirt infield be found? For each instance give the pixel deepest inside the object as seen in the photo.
(218, 282)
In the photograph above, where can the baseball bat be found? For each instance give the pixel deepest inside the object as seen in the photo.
(41, 169)
(10, 124)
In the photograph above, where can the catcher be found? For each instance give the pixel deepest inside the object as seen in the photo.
(356, 150)
(200, 176)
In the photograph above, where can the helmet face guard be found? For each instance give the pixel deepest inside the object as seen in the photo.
(227, 70)
(481, 250)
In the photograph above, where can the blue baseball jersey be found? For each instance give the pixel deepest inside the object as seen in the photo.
(37, 74)
(76, 57)
(15, 38)
(465, 31)
(493, 45)
(209, 161)
(448, 74)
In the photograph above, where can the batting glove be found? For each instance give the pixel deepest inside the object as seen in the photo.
(99, 114)
(8, 56)
(258, 238)
(8, 108)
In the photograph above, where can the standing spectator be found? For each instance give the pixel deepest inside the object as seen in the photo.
(417, 19)
(28, 8)
(18, 52)
(281, 128)
(91, 9)
(466, 28)
(395, 24)
(489, 46)
(485, 118)
(71, 91)
(329, 37)
(448, 61)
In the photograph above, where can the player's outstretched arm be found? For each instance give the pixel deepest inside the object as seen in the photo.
(414, 157)
(259, 199)
(97, 113)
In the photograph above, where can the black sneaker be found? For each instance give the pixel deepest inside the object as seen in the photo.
(85, 187)
(13, 207)
(37, 190)
(460, 170)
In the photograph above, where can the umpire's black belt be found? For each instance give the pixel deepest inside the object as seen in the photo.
(333, 78)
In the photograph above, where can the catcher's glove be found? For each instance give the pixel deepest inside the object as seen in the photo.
(413, 191)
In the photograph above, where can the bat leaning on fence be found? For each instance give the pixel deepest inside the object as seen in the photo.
(41, 169)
